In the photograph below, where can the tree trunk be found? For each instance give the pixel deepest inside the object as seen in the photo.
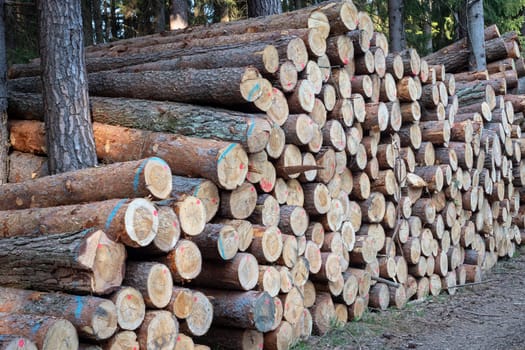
(476, 37)
(4, 134)
(160, 20)
(158, 331)
(232, 338)
(94, 318)
(395, 25)
(97, 21)
(70, 135)
(179, 14)
(82, 262)
(87, 20)
(258, 8)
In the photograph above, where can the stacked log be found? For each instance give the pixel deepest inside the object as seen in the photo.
(323, 176)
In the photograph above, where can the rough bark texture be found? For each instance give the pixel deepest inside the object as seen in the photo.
(4, 135)
(396, 27)
(70, 135)
(476, 23)
(258, 8)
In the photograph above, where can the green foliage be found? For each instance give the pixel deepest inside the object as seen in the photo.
(507, 14)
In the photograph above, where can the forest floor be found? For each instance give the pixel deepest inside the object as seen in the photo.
(484, 316)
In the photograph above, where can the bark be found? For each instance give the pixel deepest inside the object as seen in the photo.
(87, 19)
(179, 14)
(26, 166)
(63, 262)
(159, 330)
(70, 135)
(395, 25)
(476, 24)
(94, 318)
(4, 134)
(251, 131)
(258, 8)
(119, 180)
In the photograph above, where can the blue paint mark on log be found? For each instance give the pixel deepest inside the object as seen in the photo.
(226, 151)
(137, 175)
(253, 91)
(80, 306)
(113, 213)
(252, 126)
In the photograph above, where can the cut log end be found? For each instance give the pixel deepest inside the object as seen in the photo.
(188, 259)
(192, 215)
(157, 175)
(130, 308)
(232, 166)
(60, 333)
(16, 343)
(106, 259)
(141, 220)
(199, 320)
(248, 272)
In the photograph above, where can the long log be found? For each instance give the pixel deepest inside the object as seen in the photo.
(46, 332)
(258, 54)
(251, 131)
(94, 318)
(83, 262)
(225, 86)
(226, 164)
(135, 179)
(132, 222)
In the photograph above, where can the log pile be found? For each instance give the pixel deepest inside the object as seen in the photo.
(265, 177)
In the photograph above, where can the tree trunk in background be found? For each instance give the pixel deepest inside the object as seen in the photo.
(476, 26)
(179, 14)
(427, 28)
(4, 135)
(395, 25)
(258, 8)
(160, 24)
(113, 20)
(299, 4)
(97, 20)
(69, 133)
(87, 20)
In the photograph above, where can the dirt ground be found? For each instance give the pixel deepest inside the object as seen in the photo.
(486, 316)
